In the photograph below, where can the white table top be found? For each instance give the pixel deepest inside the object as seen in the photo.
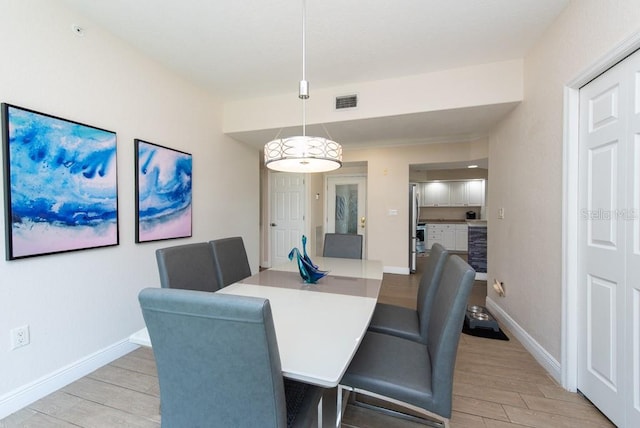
(341, 267)
(318, 326)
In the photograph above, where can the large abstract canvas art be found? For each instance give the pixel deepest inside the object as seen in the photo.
(163, 192)
(60, 184)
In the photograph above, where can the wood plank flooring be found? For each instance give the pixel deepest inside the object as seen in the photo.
(497, 384)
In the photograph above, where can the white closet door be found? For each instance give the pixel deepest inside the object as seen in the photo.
(608, 290)
(632, 297)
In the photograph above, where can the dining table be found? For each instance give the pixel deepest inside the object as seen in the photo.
(318, 326)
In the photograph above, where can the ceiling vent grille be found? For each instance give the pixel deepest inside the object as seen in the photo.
(346, 102)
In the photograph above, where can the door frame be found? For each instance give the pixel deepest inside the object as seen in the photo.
(571, 209)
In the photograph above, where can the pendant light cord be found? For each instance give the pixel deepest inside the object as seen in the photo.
(304, 85)
(304, 39)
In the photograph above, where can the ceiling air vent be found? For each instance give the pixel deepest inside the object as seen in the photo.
(346, 101)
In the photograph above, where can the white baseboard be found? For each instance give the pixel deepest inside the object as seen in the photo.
(541, 355)
(27, 394)
(396, 269)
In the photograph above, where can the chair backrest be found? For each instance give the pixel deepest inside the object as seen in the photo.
(429, 285)
(445, 326)
(342, 245)
(189, 267)
(217, 359)
(230, 258)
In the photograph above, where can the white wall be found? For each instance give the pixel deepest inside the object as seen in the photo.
(81, 304)
(525, 167)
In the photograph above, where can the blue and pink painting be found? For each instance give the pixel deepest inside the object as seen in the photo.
(60, 184)
(163, 192)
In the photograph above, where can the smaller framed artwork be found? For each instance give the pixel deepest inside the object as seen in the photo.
(163, 192)
(60, 184)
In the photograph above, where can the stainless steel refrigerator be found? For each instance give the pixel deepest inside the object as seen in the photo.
(413, 226)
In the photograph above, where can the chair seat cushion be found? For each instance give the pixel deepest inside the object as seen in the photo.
(396, 321)
(393, 367)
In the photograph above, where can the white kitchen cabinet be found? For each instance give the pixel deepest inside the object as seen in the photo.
(468, 193)
(448, 236)
(435, 235)
(458, 193)
(435, 194)
(462, 237)
(475, 192)
(451, 236)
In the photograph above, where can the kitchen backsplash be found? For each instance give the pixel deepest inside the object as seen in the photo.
(447, 213)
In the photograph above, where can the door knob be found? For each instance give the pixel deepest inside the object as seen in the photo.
(273, 225)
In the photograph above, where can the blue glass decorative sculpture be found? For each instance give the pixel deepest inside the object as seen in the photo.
(304, 252)
(308, 271)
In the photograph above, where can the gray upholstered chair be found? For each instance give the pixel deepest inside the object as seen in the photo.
(230, 258)
(342, 245)
(416, 376)
(189, 267)
(218, 362)
(409, 323)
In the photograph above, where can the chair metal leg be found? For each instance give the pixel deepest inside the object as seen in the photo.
(397, 414)
(428, 418)
(342, 400)
(339, 408)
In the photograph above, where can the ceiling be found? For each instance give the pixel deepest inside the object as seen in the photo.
(240, 49)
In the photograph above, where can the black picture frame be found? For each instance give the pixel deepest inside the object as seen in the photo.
(163, 195)
(60, 184)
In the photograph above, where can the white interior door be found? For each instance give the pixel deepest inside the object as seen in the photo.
(287, 219)
(609, 287)
(632, 218)
(346, 206)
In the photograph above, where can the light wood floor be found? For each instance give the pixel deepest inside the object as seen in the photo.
(497, 385)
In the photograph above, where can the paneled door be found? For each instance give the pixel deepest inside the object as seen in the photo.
(287, 219)
(609, 247)
(346, 206)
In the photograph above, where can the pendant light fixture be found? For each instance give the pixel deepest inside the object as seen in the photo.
(303, 153)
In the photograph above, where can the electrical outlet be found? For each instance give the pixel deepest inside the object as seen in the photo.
(20, 337)
(501, 213)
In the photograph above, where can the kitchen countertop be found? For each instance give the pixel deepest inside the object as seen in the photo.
(440, 220)
(470, 223)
